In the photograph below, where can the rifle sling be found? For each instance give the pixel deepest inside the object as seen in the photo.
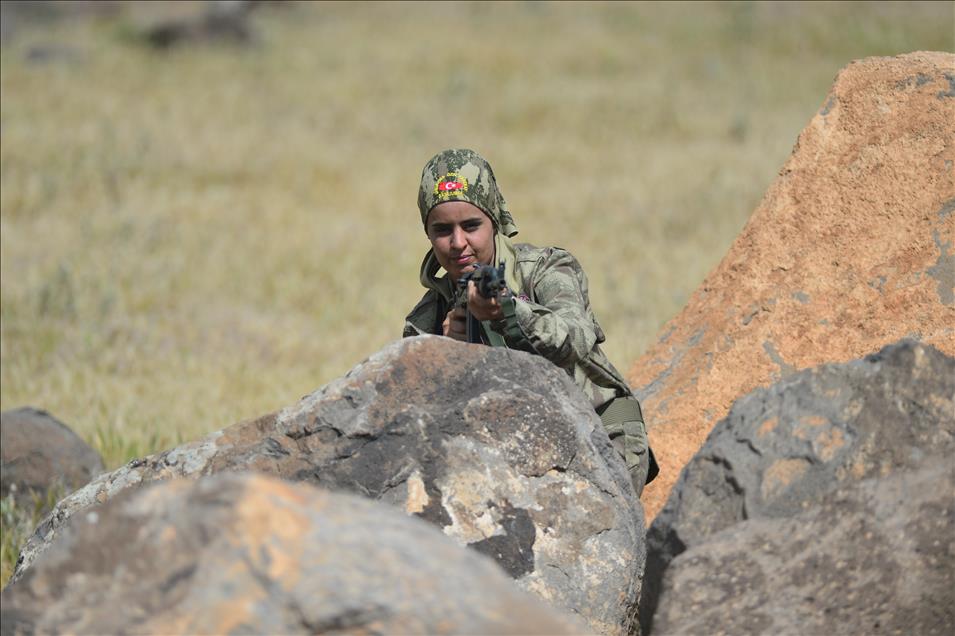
(512, 330)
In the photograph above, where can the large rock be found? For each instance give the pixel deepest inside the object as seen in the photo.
(212, 22)
(783, 449)
(498, 448)
(850, 249)
(874, 558)
(255, 555)
(39, 452)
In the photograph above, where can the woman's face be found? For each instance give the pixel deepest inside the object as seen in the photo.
(461, 235)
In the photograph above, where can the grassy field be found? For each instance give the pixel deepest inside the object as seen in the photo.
(202, 235)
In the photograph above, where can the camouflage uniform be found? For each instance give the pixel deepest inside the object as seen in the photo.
(547, 313)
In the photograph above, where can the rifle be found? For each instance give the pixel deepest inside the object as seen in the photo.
(489, 281)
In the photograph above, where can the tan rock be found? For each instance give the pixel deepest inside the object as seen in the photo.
(850, 249)
(243, 553)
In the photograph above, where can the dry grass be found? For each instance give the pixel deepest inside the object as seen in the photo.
(196, 237)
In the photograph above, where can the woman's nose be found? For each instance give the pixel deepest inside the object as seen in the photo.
(457, 238)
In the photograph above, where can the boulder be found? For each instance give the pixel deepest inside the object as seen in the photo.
(784, 448)
(851, 249)
(252, 554)
(39, 452)
(875, 557)
(216, 21)
(498, 448)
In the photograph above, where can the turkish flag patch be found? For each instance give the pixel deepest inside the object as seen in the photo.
(448, 186)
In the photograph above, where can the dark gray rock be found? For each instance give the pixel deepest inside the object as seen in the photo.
(877, 557)
(39, 452)
(219, 21)
(498, 448)
(782, 449)
(256, 555)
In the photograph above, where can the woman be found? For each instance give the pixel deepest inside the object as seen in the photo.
(545, 309)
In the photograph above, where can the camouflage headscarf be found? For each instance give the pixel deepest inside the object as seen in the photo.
(459, 174)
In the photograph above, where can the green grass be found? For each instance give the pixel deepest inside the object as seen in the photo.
(18, 520)
(196, 237)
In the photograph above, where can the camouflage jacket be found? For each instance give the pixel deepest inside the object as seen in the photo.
(552, 311)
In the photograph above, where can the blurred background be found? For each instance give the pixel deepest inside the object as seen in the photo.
(209, 209)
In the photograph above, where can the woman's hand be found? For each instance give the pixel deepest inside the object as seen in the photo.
(455, 324)
(483, 308)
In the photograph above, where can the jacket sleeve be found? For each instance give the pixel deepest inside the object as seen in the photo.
(559, 325)
(412, 330)
(423, 318)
